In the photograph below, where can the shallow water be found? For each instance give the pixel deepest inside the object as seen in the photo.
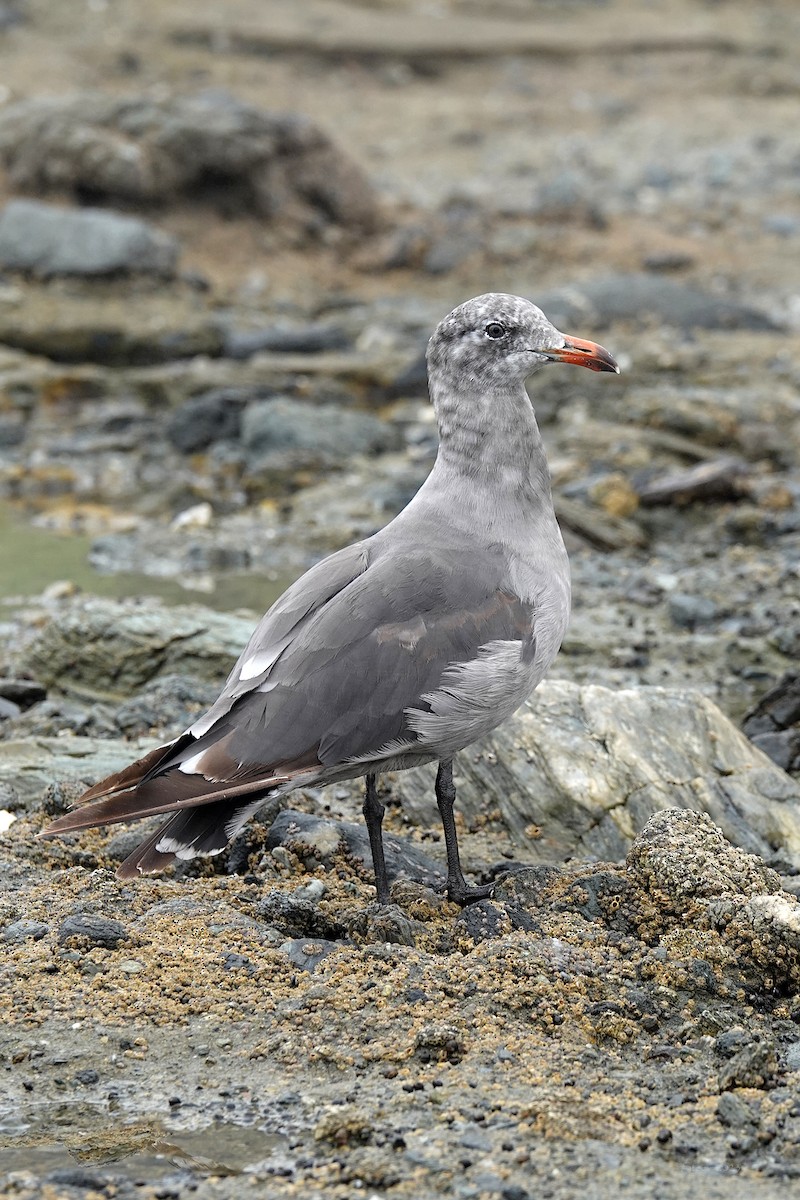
(64, 1137)
(31, 559)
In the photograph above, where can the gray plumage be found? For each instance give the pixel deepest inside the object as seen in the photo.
(403, 648)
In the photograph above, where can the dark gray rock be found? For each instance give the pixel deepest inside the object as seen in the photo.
(778, 708)
(97, 930)
(13, 432)
(735, 1112)
(55, 718)
(722, 479)
(783, 747)
(327, 431)
(210, 417)
(687, 612)
(23, 692)
(298, 918)
(636, 297)
(12, 13)
(302, 339)
(483, 920)
(46, 241)
(321, 840)
(168, 703)
(751, 1067)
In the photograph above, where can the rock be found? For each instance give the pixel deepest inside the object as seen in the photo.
(320, 839)
(23, 692)
(9, 711)
(734, 1111)
(325, 432)
(210, 417)
(382, 924)
(778, 708)
(783, 224)
(298, 918)
(720, 480)
(11, 13)
(580, 769)
(774, 723)
(752, 1067)
(208, 148)
(635, 297)
(45, 241)
(107, 648)
(667, 260)
(32, 764)
(57, 718)
(96, 930)
(440, 1042)
(25, 930)
(791, 1056)
(168, 704)
(687, 612)
(783, 748)
(683, 856)
(302, 339)
(483, 920)
(307, 955)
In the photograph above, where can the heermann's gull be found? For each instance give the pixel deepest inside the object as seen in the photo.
(401, 649)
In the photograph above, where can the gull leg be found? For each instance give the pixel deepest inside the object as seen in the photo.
(457, 888)
(373, 812)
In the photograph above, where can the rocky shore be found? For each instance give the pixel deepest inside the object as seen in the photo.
(224, 240)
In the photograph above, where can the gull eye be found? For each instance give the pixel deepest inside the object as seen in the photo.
(495, 330)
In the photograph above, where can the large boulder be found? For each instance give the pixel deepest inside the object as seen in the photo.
(580, 769)
(206, 147)
(108, 649)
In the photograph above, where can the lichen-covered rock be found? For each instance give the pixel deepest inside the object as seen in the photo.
(110, 649)
(30, 765)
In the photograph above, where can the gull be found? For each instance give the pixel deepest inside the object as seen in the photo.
(401, 649)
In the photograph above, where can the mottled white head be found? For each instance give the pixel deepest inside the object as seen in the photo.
(496, 340)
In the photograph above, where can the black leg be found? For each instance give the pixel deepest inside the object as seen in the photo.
(457, 888)
(373, 814)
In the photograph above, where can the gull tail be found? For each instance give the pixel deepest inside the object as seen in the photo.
(207, 812)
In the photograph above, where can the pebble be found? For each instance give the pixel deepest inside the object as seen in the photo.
(130, 966)
(687, 612)
(25, 930)
(97, 930)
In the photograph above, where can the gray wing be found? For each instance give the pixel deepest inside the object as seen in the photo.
(337, 684)
(282, 623)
